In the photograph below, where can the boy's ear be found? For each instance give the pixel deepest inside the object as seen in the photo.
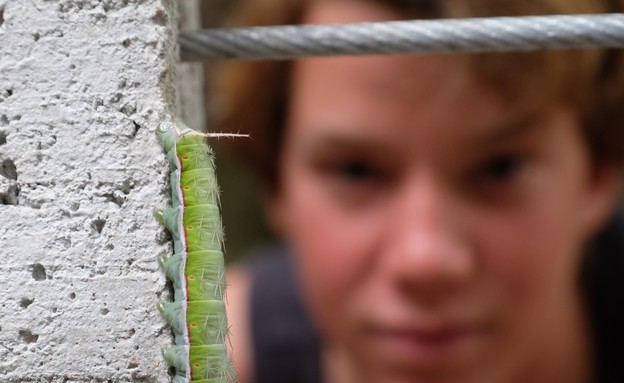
(605, 195)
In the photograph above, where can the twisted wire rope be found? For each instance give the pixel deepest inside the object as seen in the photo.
(495, 34)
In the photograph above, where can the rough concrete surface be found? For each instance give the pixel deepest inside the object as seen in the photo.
(83, 84)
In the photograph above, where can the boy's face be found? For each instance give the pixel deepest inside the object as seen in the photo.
(437, 233)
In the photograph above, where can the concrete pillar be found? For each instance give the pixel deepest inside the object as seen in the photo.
(83, 84)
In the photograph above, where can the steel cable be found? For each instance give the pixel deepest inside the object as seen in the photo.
(497, 34)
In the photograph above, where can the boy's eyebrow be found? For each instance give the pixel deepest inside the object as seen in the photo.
(340, 140)
(355, 140)
(509, 129)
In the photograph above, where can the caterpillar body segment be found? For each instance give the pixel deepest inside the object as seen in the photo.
(203, 228)
(202, 272)
(197, 315)
(200, 363)
(200, 187)
(205, 276)
(204, 322)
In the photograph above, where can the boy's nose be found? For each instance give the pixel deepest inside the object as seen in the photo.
(427, 250)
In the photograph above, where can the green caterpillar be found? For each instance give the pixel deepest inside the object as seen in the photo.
(196, 269)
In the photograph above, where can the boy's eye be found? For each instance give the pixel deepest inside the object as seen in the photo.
(356, 171)
(500, 169)
(355, 182)
(498, 179)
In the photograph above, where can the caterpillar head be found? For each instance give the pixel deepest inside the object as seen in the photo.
(171, 129)
(168, 132)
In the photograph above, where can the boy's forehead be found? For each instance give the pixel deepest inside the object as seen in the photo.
(373, 94)
(367, 136)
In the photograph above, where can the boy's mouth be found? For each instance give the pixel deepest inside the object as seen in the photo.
(422, 346)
